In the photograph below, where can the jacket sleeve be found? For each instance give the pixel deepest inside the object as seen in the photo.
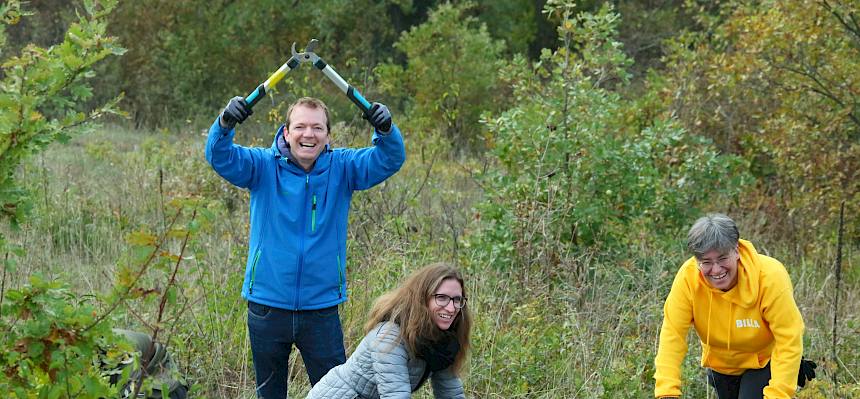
(390, 364)
(446, 385)
(367, 167)
(677, 318)
(786, 324)
(234, 163)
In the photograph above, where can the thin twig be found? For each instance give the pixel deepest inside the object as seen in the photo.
(3, 283)
(140, 318)
(143, 268)
(145, 364)
(172, 280)
(838, 271)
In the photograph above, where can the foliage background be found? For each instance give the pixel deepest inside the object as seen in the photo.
(557, 151)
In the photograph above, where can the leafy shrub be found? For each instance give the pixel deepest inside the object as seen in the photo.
(53, 345)
(773, 82)
(822, 388)
(575, 172)
(41, 95)
(450, 75)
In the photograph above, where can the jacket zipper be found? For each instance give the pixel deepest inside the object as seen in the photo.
(254, 271)
(302, 244)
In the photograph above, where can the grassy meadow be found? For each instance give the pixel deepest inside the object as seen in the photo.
(586, 328)
(557, 152)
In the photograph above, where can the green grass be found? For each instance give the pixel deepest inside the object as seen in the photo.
(585, 328)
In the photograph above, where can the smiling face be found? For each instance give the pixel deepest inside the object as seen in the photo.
(720, 269)
(307, 134)
(443, 316)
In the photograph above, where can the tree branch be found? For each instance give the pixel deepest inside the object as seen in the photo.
(137, 277)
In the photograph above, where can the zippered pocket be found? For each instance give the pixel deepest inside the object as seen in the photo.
(340, 279)
(314, 214)
(254, 270)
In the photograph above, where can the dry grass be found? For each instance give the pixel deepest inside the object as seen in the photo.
(586, 329)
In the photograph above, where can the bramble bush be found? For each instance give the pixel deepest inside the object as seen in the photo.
(50, 338)
(53, 344)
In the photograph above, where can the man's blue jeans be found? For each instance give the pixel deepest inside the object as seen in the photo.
(316, 333)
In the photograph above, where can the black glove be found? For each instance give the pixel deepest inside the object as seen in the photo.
(806, 373)
(380, 117)
(236, 111)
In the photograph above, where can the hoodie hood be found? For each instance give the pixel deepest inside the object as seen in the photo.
(746, 292)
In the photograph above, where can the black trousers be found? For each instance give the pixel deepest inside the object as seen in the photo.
(748, 385)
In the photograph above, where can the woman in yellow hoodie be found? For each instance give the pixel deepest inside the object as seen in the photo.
(741, 304)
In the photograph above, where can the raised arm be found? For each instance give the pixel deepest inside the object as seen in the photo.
(233, 162)
(367, 167)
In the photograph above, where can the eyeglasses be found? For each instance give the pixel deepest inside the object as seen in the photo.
(723, 260)
(443, 300)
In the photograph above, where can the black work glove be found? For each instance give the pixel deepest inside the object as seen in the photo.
(236, 111)
(379, 117)
(806, 373)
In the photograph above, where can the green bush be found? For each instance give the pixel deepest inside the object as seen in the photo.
(41, 95)
(53, 345)
(450, 76)
(575, 171)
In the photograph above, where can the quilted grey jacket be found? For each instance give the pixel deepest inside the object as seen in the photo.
(380, 368)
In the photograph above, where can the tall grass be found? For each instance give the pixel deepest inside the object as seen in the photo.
(586, 328)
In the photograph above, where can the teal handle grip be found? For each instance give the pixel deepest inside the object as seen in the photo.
(358, 99)
(255, 96)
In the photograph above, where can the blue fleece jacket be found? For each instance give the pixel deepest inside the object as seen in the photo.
(297, 246)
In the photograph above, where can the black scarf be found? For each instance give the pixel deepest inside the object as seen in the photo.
(439, 355)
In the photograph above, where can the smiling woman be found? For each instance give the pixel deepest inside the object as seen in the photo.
(419, 330)
(720, 268)
(446, 303)
(741, 304)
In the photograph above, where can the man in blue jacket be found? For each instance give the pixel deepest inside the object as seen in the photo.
(301, 189)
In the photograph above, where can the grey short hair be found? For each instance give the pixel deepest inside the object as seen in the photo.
(712, 231)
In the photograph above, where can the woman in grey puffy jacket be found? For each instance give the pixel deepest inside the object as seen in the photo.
(419, 330)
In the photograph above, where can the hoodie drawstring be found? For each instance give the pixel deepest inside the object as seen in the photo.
(708, 324)
(731, 314)
(708, 340)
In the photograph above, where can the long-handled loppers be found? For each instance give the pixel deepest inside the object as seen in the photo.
(308, 56)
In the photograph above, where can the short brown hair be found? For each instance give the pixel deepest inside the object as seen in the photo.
(312, 103)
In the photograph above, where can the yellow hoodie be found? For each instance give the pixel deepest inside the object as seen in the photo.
(755, 322)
